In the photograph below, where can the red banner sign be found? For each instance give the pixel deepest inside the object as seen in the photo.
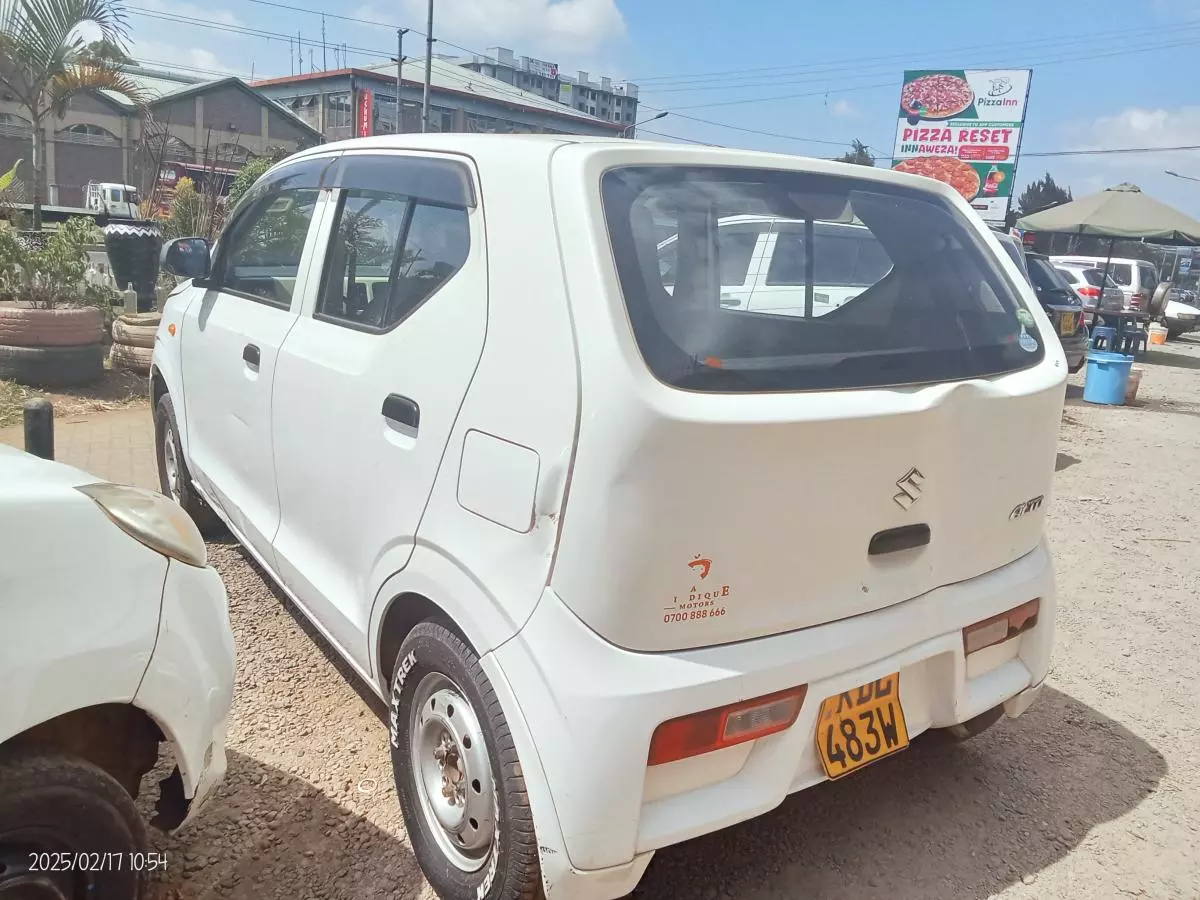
(365, 119)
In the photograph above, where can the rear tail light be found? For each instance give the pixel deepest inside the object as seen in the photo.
(1092, 292)
(725, 726)
(1000, 628)
(1135, 302)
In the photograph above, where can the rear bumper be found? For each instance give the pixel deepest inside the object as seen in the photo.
(1075, 347)
(589, 709)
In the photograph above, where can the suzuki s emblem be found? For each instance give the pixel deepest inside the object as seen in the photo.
(910, 488)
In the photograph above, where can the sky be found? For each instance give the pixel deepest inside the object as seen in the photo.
(803, 78)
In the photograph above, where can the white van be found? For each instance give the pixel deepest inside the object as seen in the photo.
(1136, 278)
(763, 264)
(628, 561)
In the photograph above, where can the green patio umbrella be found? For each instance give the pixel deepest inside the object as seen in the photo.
(1119, 213)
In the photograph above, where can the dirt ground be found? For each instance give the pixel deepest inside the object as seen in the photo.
(114, 390)
(1094, 793)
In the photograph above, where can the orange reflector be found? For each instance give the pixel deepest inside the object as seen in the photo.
(725, 726)
(1000, 628)
(714, 362)
(171, 329)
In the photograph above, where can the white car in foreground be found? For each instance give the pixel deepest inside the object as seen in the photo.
(114, 638)
(630, 564)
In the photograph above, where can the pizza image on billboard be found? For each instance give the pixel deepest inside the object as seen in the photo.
(939, 95)
(959, 175)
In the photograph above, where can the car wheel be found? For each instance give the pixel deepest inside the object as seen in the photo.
(1079, 365)
(1173, 333)
(457, 774)
(67, 830)
(174, 480)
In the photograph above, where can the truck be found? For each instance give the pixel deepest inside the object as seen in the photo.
(116, 201)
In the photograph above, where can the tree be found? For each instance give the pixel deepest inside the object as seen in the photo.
(859, 154)
(44, 63)
(103, 50)
(1042, 194)
(253, 170)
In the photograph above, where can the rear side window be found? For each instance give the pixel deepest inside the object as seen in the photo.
(843, 256)
(924, 300)
(1148, 278)
(735, 247)
(1121, 273)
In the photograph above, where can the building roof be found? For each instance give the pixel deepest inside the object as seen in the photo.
(447, 77)
(160, 86)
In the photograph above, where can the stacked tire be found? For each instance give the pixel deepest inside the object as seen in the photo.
(133, 341)
(51, 347)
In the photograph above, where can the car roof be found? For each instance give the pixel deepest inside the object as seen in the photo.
(487, 149)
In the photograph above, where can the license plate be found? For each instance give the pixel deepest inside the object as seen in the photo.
(862, 725)
(1066, 324)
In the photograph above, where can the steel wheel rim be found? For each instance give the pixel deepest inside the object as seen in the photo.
(20, 882)
(170, 462)
(453, 772)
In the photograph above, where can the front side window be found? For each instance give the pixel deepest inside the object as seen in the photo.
(264, 246)
(921, 296)
(389, 254)
(735, 245)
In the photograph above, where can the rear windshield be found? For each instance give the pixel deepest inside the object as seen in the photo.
(848, 283)
(1045, 278)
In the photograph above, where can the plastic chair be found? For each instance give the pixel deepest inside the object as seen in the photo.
(1133, 339)
(1103, 337)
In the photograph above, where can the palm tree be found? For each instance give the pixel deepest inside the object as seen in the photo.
(44, 62)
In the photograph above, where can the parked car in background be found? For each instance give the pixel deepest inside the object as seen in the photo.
(114, 638)
(1136, 278)
(474, 457)
(1086, 283)
(1180, 317)
(116, 201)
(1064, 309)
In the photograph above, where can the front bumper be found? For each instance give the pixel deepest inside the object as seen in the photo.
(589, 709)
(188, 686)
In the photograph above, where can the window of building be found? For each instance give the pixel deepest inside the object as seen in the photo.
(86, 133)
(264, 245)
(592, 110)
(390, 254)
(339, 111)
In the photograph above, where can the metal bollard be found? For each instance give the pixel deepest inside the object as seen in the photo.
(39, 428)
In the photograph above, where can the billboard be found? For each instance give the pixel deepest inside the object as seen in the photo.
(364, 114)
(963, 127)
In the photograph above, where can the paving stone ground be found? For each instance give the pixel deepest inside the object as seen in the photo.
(116, 446)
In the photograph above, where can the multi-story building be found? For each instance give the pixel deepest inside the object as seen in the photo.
(194, 123)
(360, 101)
(608, 100)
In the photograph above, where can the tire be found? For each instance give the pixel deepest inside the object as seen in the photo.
(133, 335)
(52, 366)
(1079, 365)
(435, 670)
(179, 486)
(131, 358)
(59, 806)
(1173, 333)
(146, 318)
(72, 327)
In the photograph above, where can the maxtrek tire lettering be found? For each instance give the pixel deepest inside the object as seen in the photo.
(402, 669)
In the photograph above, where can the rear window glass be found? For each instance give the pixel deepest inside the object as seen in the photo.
(868, 284)
(1045, 277)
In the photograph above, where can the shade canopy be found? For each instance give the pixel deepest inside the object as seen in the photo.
(1121, 212)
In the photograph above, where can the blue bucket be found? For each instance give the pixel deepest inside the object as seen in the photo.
(1107, 376)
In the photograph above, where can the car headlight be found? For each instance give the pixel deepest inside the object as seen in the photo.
(151, 519)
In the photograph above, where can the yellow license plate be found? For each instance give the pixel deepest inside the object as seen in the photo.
(862, 725)
(1066, 324)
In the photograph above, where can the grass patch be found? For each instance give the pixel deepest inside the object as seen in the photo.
(12, 401)
(114, 390)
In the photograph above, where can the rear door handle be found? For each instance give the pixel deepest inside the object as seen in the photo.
(252, 355)
(402, 411)
(892, 540)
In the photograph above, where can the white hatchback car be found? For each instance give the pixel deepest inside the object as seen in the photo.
(629, 565)
(114, 637)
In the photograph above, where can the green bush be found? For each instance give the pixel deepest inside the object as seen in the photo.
(54, 275)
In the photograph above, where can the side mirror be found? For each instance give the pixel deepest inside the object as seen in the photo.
(186, 257)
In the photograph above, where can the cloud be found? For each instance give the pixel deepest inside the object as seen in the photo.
(158, 54)
(1137, 127)
(843, 109)
(527, 27)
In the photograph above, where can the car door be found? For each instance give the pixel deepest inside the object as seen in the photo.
(230, 343)
(371, 378)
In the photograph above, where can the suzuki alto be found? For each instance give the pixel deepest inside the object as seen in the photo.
(631, 554)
